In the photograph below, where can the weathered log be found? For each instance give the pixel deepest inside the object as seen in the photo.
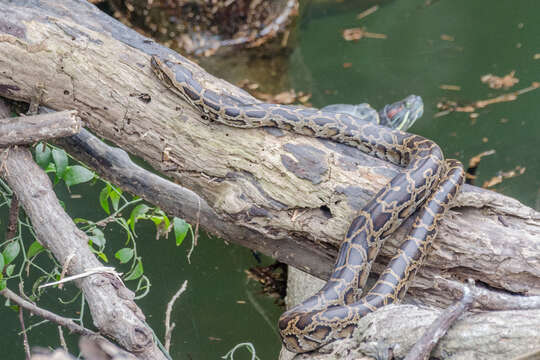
(30, 129)
(111, 304)
(114, 165)
(475, 336)
(295, 192)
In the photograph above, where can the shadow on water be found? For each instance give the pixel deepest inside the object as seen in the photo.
(428, 44)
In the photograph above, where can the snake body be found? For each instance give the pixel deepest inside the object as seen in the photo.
(428, 181)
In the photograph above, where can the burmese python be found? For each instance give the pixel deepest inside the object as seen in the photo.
(333, 312)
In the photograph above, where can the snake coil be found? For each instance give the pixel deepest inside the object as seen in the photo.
(427, 181)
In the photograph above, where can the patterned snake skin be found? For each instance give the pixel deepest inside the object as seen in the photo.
(428, 182)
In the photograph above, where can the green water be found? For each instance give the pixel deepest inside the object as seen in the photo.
(489, 37)
(412, 59)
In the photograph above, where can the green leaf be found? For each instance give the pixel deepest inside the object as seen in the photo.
(167, 222)
(157, 220)
(2, 264)
(42, 154)
(61, 161)
(3, 284)
(103, 257)
(51, 168)
(137, 272)
(160, 220)
(77, 174)
(34, 249)
(98, 238)
(115, 197)
(9, 269)
(136, 214)
(11, 251)
(82, 221)
(124, 255)
(104, 199)
(181, 229)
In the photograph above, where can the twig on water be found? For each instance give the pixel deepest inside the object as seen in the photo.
(168, 326)
(25, 336)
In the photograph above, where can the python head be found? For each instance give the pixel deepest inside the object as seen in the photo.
(402, 114)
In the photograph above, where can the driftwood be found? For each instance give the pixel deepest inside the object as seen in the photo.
(478, 336)
(31, 129)
(288, 196)
(398, 328)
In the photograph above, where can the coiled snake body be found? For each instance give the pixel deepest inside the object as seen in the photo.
(427, 181)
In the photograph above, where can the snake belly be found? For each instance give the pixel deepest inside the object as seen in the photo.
(333, 312)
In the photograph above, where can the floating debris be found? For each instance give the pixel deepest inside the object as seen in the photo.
(285, 97)
(502, 175)
(447, 37)
(470, 174)
(496, 82)
(450, 87)
(475, 160)
(367, 12)
(447, 107)
(360, 33)
(347, 65)
(536, 56)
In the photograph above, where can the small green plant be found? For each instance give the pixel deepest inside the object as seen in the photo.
(18, 258)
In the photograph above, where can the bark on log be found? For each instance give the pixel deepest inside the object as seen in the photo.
(291, 191)
(111, 304)
(30, 129)
(476, 336)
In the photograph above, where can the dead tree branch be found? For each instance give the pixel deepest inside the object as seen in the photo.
(45, 314)
(31, 129)
(422, 349)
(113, 310)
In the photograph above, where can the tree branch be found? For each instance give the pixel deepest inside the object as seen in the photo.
(30, 129)
(45, 314)
(113, 312)
(422, 349)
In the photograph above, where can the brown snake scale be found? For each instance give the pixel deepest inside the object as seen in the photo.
(428, 182)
